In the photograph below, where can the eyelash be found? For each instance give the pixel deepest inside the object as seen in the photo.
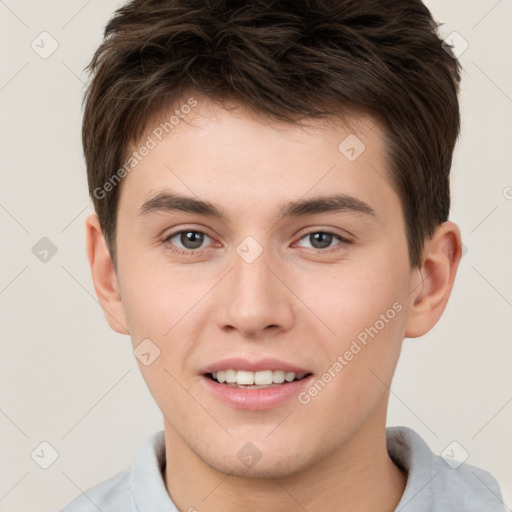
(189, 252)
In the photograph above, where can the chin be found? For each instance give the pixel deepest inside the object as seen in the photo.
(262, 466)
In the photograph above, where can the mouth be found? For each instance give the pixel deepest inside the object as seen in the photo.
(255, 380)
(263, 379)
(255, 385)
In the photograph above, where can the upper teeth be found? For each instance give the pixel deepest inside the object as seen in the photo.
(262, 377)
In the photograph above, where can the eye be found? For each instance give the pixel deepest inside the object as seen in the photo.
(189, 239)
(322, 239)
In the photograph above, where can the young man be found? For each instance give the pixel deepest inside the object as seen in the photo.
(271, 186)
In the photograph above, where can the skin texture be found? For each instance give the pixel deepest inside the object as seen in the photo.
(295, 302)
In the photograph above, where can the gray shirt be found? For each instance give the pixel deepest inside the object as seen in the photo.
(433, 485)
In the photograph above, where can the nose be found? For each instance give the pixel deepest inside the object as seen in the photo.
(255, 300)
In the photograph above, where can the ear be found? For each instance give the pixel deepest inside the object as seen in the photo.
(441, 258)
(104, 276)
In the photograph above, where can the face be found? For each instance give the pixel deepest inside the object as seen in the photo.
(272, 251)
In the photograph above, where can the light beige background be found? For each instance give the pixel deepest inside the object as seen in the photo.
(69, 380)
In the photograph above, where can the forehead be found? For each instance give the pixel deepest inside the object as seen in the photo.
(238, 155)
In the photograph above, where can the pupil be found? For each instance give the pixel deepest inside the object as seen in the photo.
(191, 239)
(324, 238)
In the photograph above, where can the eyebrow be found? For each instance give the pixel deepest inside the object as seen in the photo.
(337, 203)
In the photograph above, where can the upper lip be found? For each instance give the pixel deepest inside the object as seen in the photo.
(240, 363)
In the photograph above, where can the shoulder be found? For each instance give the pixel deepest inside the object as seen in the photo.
(440, 483)
(111, 495)
(140, 487)
(472, 487)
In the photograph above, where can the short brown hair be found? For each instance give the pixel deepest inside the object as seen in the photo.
(289, 60)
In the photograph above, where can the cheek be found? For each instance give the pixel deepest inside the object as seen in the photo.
(366, 316)
(154, 298)
(361, 355)
(353, 298)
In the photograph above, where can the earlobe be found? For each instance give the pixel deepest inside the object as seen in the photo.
(442, 256)
(104, 276)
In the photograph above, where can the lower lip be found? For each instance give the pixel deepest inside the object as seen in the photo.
(256, 399)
